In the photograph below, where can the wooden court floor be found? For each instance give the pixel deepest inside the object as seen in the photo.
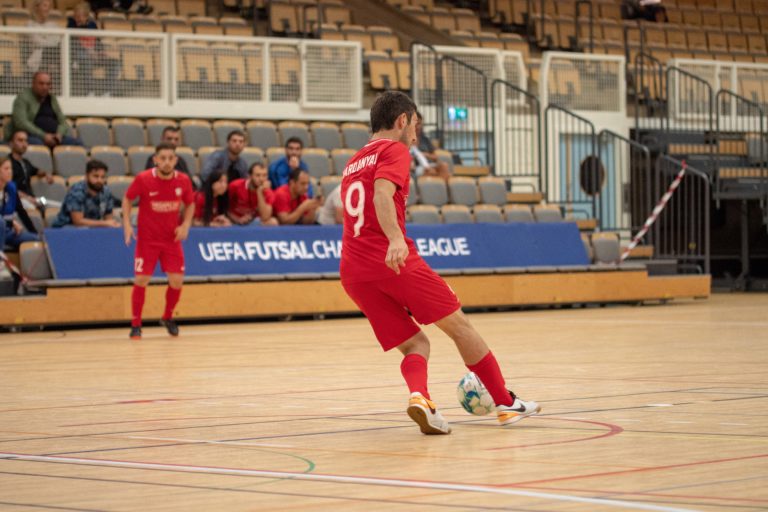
(644, 408)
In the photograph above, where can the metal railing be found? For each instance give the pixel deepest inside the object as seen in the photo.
(516, 141)
(682, 230)
(574, 174)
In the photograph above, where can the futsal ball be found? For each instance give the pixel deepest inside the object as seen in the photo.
(473, 396)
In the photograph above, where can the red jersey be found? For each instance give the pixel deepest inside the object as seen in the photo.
(243, 200)
(159, 204)
(200, 206)
(283, 202)
(364, 244)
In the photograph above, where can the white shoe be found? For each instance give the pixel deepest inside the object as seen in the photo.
(511, 414)
(424, 412)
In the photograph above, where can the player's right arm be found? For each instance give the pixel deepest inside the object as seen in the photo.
(132, 193)
(397, 252)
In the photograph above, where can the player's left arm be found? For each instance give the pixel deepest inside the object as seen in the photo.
(182, 230)
(383, 202)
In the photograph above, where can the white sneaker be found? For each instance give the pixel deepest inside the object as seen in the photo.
(511, 414)
(424, 412)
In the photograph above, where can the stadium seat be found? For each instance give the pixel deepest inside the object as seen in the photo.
(275, 153)
(262, 134)
(176, 25)
(456, 214)
(223, 128)
(94, 131)
(298, 129)
(252, 55)
(382, 70)
(54, 191)
(606, 247)
(70, 160)
(74, 179)
(252, 155)
(128, 132)
(336, 13)
(155, 129)
(196, 133)
(432, 190)
(488, 213)
(588, 247)
(190, 7)
(358, 33)
(118, 24)
(326, 135)
(4, 151)
(34, 261)
(188, 154)
(318, 162)
(355, 135)
(167, 7)
(329, 183)
(40, 157)
(118, 185)
(384, 40)
(547, 213)
(403, 65)
(235, 27)
(36, 218)
(282, 18)
(138, 65)
(340, 158)
(518, 213)
(113, 156)
(493, 190)
(137, 158)
(413, 194)
(424, 214)
(147, 24)
(204, 25)
(463, 190)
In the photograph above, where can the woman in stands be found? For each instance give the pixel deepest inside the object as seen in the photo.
(212, 201)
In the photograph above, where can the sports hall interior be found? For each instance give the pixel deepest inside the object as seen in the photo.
(545, 112)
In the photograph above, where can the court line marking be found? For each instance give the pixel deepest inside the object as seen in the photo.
(386, 482)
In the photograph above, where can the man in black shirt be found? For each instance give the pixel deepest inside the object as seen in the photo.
(172, 136)
(23, 169)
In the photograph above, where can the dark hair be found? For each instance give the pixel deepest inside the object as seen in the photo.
(222, 203)
(255, 165)
(293, 140)
(235, 132)
(295, 173)
(170, 129)
(95, 165)
(13, 135)
(388, 107)
(164, 145)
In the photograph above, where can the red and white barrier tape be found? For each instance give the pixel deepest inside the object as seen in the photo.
(12, 268)
(656, 211)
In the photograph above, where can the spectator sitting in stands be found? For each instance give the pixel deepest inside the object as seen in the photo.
(280, 170)
(23, 170)
(88, 203)
(211, 201)
(171, 135)
(649, 10)
(426, 161)
(292, 205)
(228, 159)
(36, 111)
(332, 211)
(250, 200)
(45, 46)
(11, 232)
(87, 53)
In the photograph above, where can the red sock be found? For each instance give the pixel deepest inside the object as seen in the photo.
(487, 369)
(137, 304)
(414, 370)
(171, 299)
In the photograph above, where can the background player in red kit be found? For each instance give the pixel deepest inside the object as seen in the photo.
(161, 192)
(382, 272)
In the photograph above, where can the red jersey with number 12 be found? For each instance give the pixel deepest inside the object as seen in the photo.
(364, 244)
(159, 204)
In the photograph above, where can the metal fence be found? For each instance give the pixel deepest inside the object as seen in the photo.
(574, 175)
(583, 82)
(162, 69)
(517, 138)
(682, 230)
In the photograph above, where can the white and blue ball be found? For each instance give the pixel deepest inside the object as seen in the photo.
(473, 396)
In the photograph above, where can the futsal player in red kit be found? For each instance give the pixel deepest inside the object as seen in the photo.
(161, 191)
(384, 275)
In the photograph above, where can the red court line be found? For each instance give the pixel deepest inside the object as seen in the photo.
(629, 471)
(612, 431)
(640, 493)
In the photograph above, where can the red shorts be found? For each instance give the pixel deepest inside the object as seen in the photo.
(387, 303)
(171, 257)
